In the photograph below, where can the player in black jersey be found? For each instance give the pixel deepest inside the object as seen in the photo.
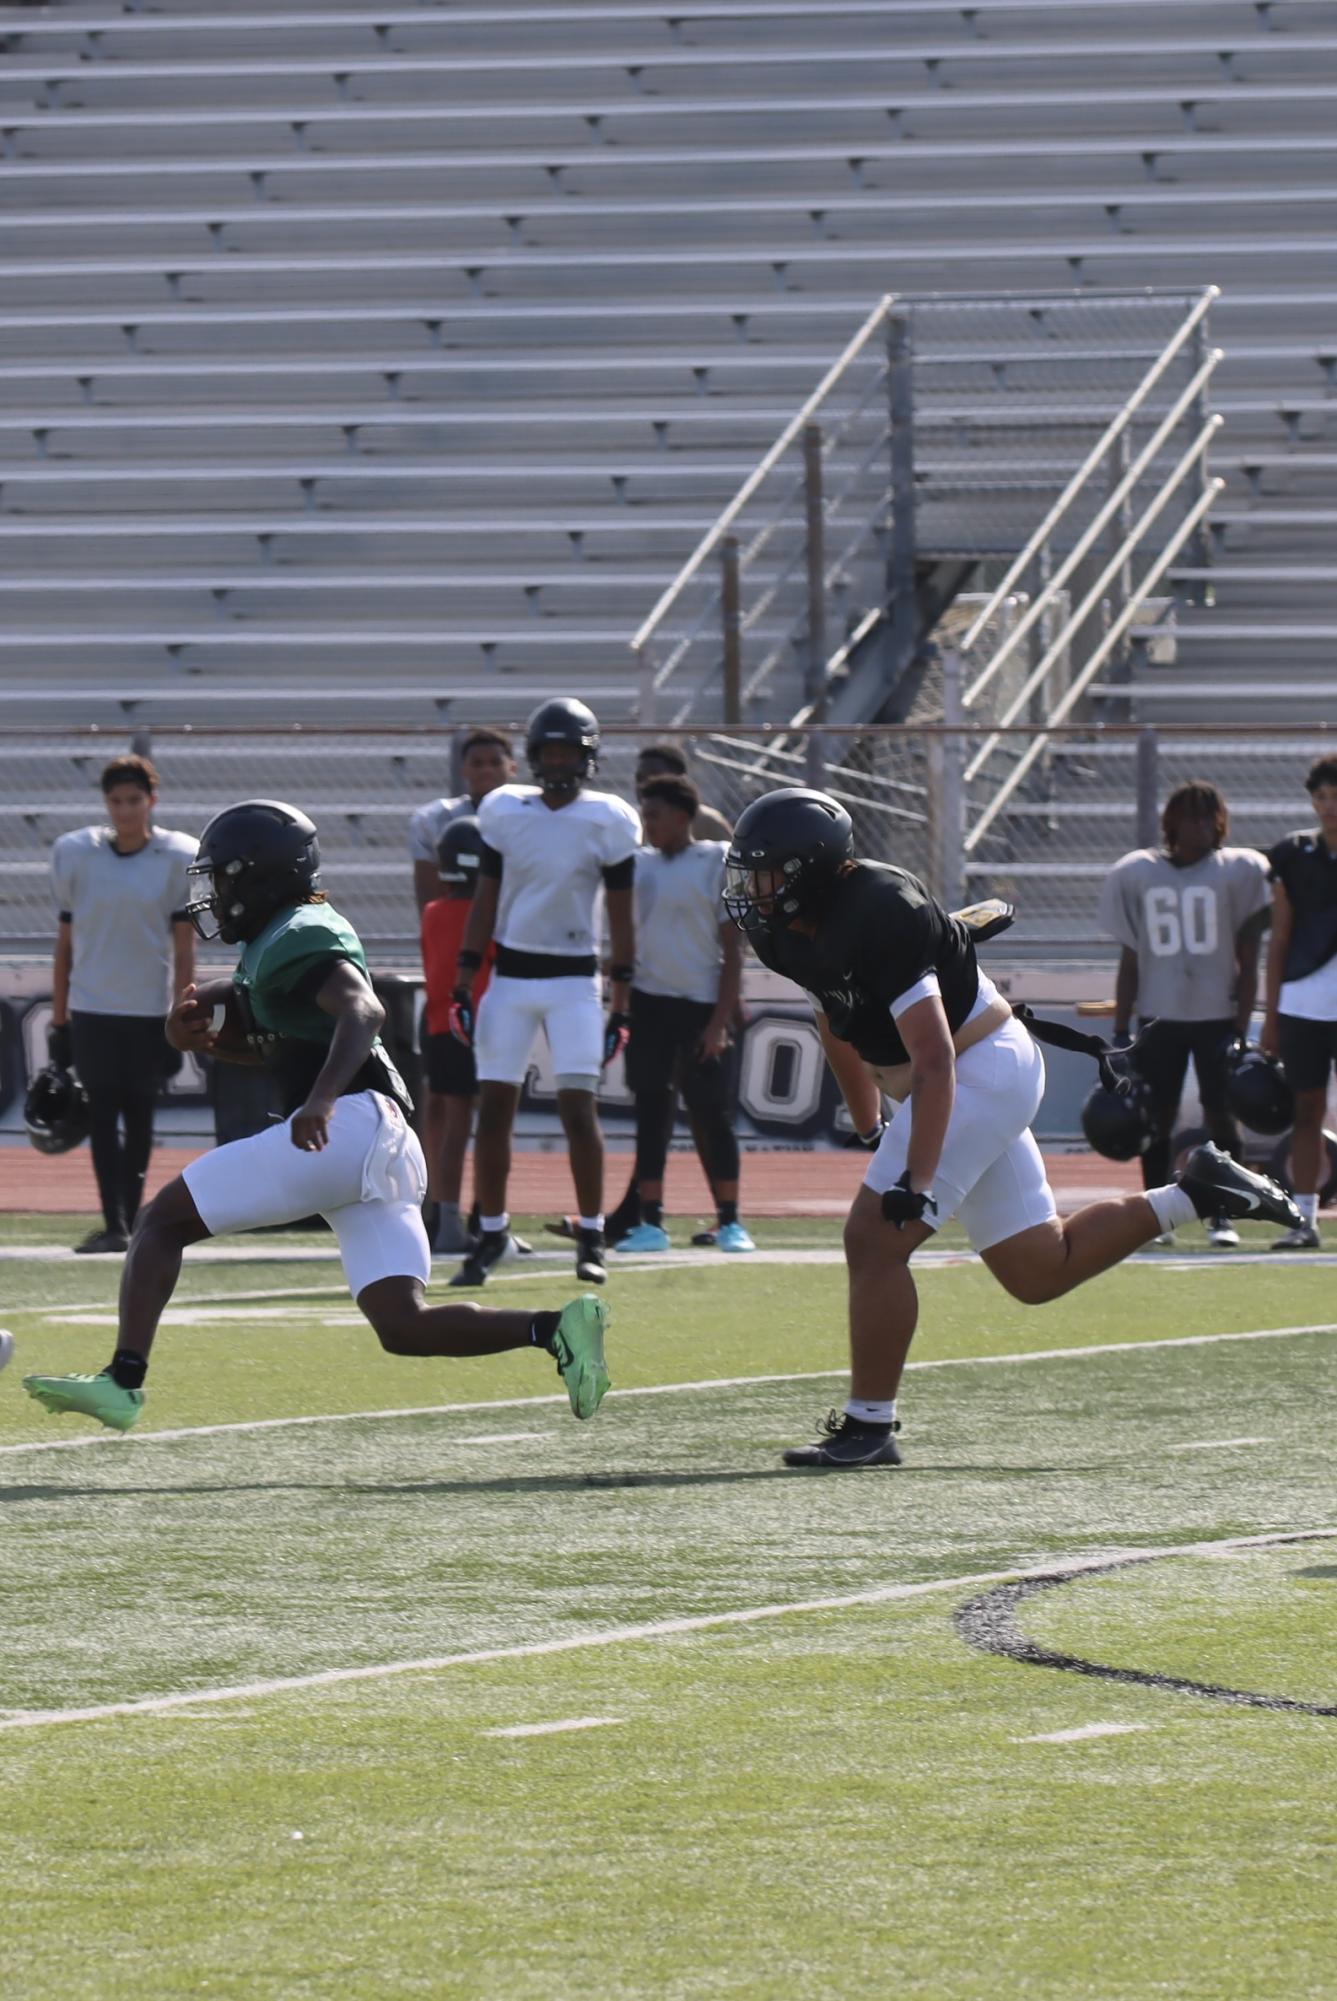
(903, 1008)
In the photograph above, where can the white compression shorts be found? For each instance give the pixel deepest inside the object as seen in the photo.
(368, 1184)
(567, 1008)
(991, 1173)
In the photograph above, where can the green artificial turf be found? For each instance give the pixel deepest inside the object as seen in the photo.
(838, 1801)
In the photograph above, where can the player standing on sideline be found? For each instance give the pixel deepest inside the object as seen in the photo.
(683, 1001)
(669, 760)
(1189, 917)
(1301, 1020)
(485, 763)
(901, 1003)
(548, 850)
(301, 1002)
(448, 1065)
(124, 951)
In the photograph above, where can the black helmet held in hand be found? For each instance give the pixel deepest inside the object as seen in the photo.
(1257, 1091)
(459, 852)
(1119, 1124)
(55, 1111)
(564, 721)
(259, 857)
(786, 848)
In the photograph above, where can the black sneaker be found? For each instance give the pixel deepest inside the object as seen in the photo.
(1306, 1238)
(847, 1443)
(99, 1241)
(494, 1247)
(590, 1266)
(1216, 1185)
(706, 1240)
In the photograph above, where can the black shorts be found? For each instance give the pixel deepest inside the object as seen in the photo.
(1164, 1057)
(1308, 1051)
(665, 1030)
(448, 1066)
(125, 1053)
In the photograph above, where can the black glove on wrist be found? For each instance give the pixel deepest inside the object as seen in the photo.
(904, 1204)
(461, 1016)
(617, 1034)
(869, 1141)
(59, 1045)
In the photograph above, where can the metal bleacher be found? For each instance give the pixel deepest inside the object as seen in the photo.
(411, 350)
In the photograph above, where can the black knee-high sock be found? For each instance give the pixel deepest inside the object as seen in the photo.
(105, 1141)
(137, 1117)
(654, 1128)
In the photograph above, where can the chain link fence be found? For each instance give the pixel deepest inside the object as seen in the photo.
(1094, 794)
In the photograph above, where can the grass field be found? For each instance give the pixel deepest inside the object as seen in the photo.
(289, 1647)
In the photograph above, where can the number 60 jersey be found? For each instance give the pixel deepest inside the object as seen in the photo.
(1183, 924)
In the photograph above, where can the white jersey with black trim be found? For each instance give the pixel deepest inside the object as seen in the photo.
(1183, 924)
(553, 863)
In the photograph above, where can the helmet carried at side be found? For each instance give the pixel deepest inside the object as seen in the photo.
(787, 847)
(1119, 1124)
(257, 858)
(563, 721)
(55, 1111)
(1257, 1091)
(459, 852)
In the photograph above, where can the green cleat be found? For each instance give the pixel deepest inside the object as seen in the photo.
(91, 1396)
(578, 1345)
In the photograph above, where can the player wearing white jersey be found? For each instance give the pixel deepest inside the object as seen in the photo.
(550, 850)
(1189, 917)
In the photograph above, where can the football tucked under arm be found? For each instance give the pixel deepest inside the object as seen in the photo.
(208, 1021)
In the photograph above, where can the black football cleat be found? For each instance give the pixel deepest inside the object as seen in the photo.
(494, 1247)
(1216, 1185)
(846, 1445)
(590, 1266)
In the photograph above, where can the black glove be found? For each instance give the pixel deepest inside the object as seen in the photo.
(904, 1204)
(869, 1141)
(59, 1045)
(617, 1034)
(461, 1016)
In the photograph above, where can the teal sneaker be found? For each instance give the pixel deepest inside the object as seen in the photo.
(90, 1396)
(733, 1237)
(645, 1237)
(578, 1345)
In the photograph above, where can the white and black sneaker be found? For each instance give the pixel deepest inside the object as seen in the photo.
(847, 1444)
(590, 1266)
(494, 1247)
(1305, 1238)
(1222, 1234)
(1216, 1185)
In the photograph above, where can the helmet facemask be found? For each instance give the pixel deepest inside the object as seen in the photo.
(765, 896)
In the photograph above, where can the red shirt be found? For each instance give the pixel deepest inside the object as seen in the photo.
(443, 922)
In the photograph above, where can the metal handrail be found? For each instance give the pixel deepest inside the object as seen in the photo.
(716, 533)
(1117, 629)
(1113, 431)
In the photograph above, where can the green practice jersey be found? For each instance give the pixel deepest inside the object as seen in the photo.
(278, 976)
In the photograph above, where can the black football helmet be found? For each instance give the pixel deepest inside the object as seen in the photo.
(1119, 1124)
(1257, 1091)
(258, 858)
(459, 852)
(55, 1110)
(800, 839)
(562, 721)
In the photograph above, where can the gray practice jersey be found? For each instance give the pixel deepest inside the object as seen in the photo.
(428, 823)
(1183, 924)
(678, 917)
(121, 909)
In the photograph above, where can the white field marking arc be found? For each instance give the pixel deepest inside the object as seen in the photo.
(1083, 1733)
(555, 1729)
(1215, 1444)
(124, 1441)
(657, 1629)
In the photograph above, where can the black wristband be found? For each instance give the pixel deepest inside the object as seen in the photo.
(622, 974)
(468, 962)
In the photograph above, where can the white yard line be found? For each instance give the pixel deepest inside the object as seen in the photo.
(1215, 1444)
(107, 1440)
(1083, 1734)
(554, 1729)
(658, 1629)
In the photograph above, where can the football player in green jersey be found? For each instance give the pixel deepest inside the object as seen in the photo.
(301, 1002)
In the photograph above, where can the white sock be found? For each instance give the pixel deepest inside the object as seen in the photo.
(591, 1222)
(1308, 1207)
(502, 1222)
(871, 1410)
(1171, 1206)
